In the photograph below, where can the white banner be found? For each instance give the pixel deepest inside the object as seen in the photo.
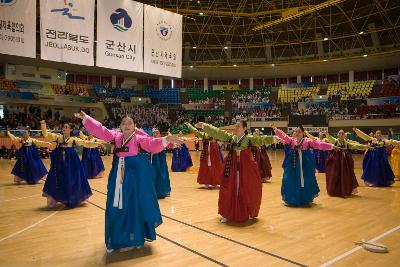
(18, 28)
(162, 42)
(120, 35)
(67, 31)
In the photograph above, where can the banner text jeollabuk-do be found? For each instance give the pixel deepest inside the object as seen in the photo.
(18, 28)
(67, 31)
(120, 35)
(162, 42)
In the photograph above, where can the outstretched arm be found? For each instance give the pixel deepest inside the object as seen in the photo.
(84, 143)
(321, 145)
(262, 140)
(330, 138)
(196, 132)
(215, 133)
(310, 136)
(357, 146)
(39, 143)
(13, 137)
(82, 135)
(96, 128)
(362, 135)
(46, 134)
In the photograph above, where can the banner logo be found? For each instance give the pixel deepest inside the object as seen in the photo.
(121, 20)
(164, 30)
(68, 10)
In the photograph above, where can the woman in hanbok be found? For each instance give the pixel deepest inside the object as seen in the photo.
(299, 184)
(240, 192)
(341, 180)
(211, 163)
(91, 160)
(66, 182)
(263, 162)
(395, 155)
(319, 156)
(376, 168)
(132, 211)
(29, 166)
(181, 159)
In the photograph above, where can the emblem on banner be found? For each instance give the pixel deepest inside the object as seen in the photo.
(7, 2)
(164, 30)
(68, 10)
(121, 20)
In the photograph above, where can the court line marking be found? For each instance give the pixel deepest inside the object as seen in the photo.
(227, 238)
(176, 243)
(12, 199)
(29, 227)
(347, 253)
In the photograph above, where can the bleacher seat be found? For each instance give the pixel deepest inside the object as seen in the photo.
(358, 89)
(290, 95)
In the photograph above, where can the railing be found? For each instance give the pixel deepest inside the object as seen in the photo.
(268, 118)
(366, 116)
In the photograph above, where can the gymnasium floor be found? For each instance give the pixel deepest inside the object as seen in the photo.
(191, 235)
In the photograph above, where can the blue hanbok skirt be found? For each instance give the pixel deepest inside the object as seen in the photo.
(161, 179)
(92, 162)
(292, 192)
(29, 165)
(66, 181)
(181, 159)
(320, 157)
(376, 168)
(140, 214)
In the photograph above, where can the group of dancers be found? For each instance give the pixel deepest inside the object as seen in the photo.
(139, 173)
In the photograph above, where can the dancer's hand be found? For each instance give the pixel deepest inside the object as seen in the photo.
(80, 115)
(272, 125)
(174, 139)
(354, 129)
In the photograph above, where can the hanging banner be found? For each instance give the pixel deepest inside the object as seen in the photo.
(162, 42)
(120, 35)
(18, 28)
(67, 31)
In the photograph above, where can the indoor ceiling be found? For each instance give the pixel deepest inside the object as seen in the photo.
(222, 32)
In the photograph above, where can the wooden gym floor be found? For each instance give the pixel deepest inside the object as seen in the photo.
(191, 235)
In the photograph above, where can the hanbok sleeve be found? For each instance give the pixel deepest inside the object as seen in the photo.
(363, 135)
(98, 130)
(216, 133)
(356, 146)
(261, 140)
(39, 143)
(310, 136)
(330, 138)
(284, 137)
(13, 137)
(48, 135)
(80, 142)
(394, 143)
(320, 145)
(196, 132)
(152, 144)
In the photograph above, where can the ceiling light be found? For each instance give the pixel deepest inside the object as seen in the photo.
(194, 47)
(201, 13)
(365, 55)
(234, 65)
(225, 47)
(325, 60)
(361, 32)
(191, 67)
(326, 39)
(273, 65)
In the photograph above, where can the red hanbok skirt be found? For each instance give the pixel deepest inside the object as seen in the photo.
(211, 168)
(340, 178)
(240, 194)
(264, 165)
